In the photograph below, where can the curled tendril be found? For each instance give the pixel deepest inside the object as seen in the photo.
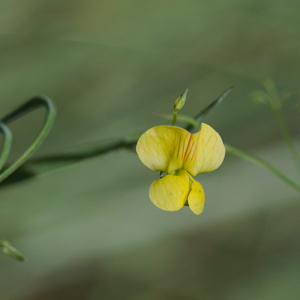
(32, 104)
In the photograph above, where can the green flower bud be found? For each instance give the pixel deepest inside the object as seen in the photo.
(178, 104)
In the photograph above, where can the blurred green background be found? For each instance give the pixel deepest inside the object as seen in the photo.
(89, 231)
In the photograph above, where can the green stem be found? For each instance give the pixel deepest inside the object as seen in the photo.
(286, 135)
(11, 251)
(30, 105)
(174, 117)
(261, 163)
(100, 150)
(34, 103)
(182, 118)
(6, 144)
(276, 107)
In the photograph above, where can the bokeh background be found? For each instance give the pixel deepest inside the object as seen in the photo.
(89, 230)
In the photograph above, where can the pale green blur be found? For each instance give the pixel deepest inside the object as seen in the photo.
(89, 231)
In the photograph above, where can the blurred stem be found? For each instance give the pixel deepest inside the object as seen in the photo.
(29, 106)
(276, 107)
(34, 103)
(11, 251)
(286, 135)
(261, 163)
(131, 142)
(54, 161)
(6, 144)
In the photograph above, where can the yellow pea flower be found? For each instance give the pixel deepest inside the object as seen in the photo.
(179, 153)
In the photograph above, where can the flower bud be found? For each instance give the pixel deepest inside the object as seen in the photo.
(178, 104)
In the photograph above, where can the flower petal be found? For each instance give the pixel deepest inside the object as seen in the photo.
(196, 198)
(169, 148)
(160, 148)
(205, 151)
(170, 192)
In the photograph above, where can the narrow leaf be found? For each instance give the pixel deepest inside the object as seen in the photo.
(209, 108)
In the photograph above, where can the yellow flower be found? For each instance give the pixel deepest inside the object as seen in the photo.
(180, 154)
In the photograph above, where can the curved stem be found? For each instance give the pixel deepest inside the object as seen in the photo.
(30, 105)
(6, 144)
(261, 163)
